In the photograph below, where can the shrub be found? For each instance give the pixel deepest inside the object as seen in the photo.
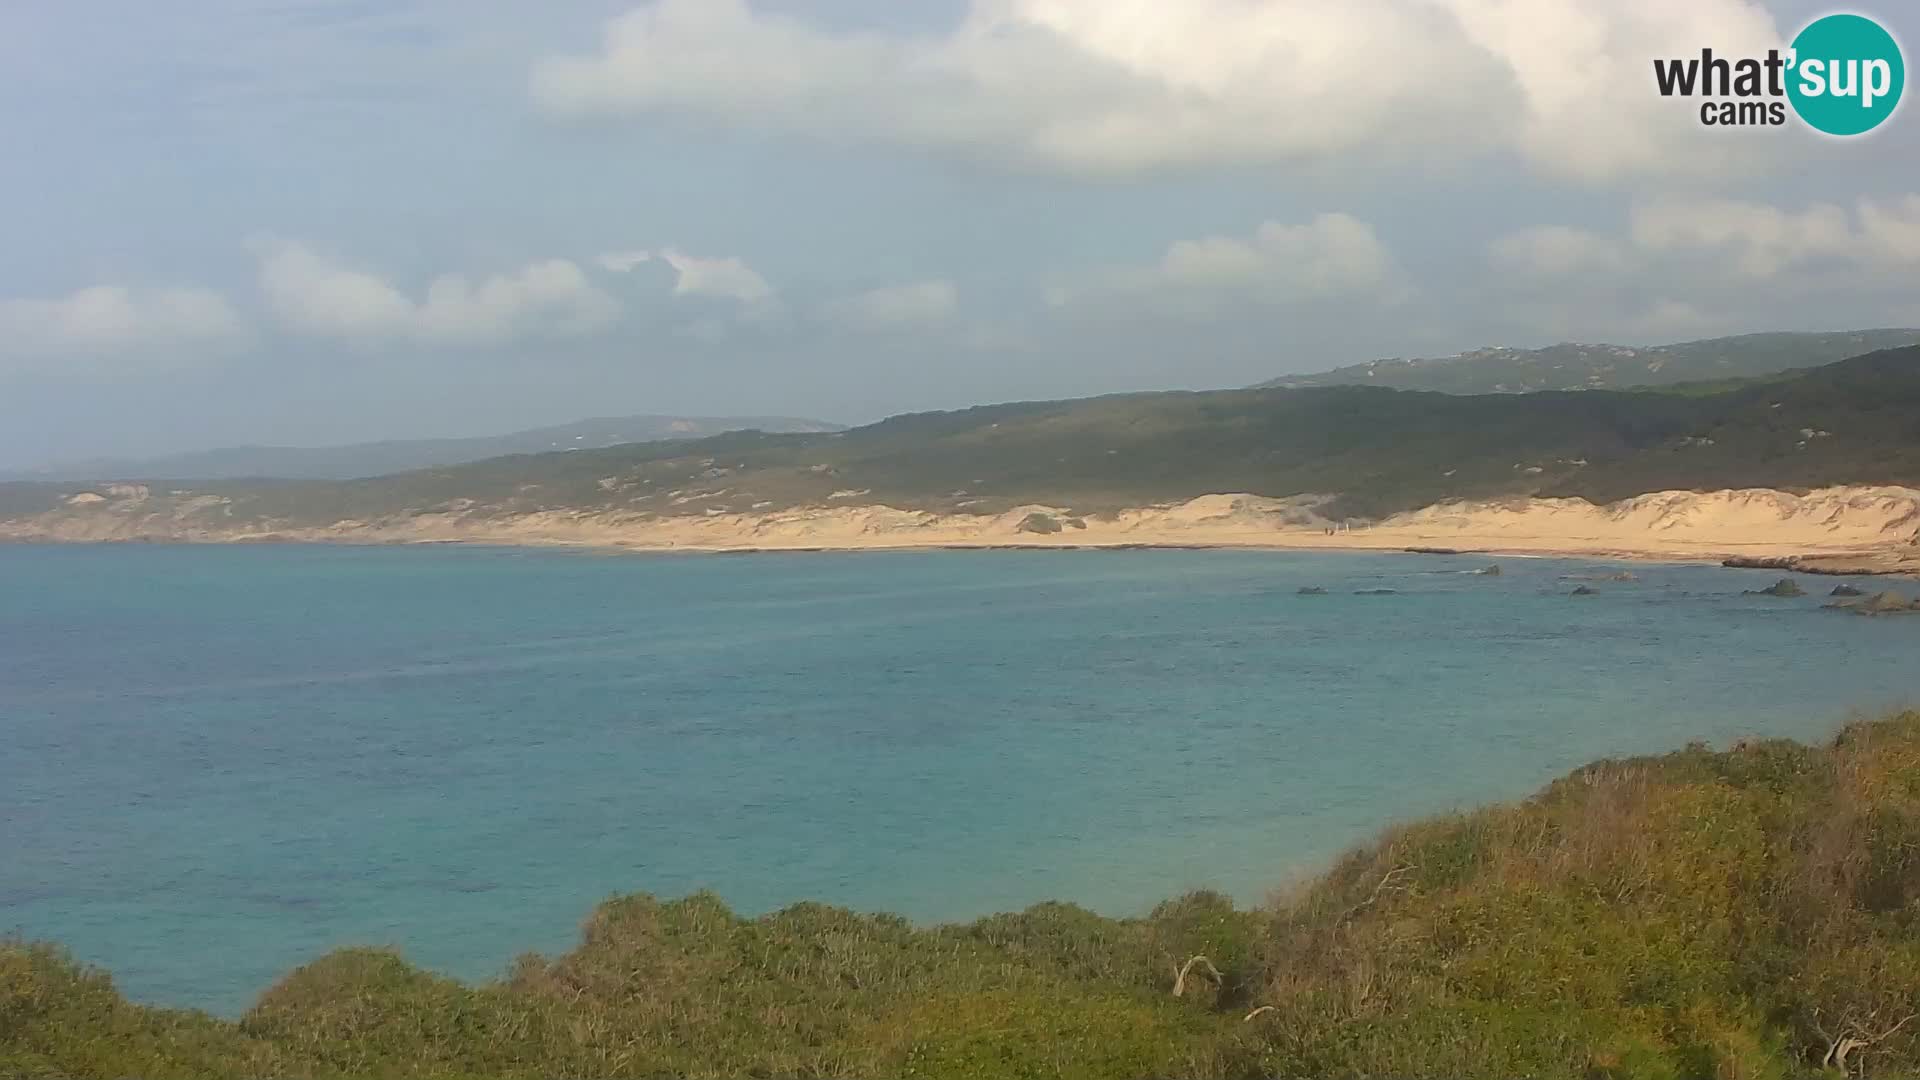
(1750, 913)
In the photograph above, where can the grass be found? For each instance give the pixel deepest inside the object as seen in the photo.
(1751, 913)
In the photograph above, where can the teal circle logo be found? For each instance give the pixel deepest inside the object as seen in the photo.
(1846, 75)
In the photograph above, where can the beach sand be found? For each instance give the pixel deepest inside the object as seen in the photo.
(1839, 529)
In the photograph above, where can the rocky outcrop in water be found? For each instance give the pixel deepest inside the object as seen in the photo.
(1861, 564)
(1786, 587)
(1880, 603)
(1768, 562)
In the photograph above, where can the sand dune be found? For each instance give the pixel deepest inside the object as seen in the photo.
(1871, 527)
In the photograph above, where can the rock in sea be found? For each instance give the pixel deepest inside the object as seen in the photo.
(1886, 603)
(1880, 603)
(1786, 586)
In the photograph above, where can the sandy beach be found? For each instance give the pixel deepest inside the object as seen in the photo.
(1839, 529)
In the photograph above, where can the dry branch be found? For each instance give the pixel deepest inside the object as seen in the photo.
(1180, 980)
(1386, 881)
(1854, 1036)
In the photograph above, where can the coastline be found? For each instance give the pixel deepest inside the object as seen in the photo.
(1838, 530)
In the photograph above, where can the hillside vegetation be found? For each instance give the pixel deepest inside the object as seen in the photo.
(1380, 451)
(1749, 913)
(1569, 366)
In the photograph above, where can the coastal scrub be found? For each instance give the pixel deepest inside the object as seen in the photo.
(1753, 912)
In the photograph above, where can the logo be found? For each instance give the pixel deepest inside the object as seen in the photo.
(1842, 75)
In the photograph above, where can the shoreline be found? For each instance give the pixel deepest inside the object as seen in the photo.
(1833, 531)
(627, 547)
(1866, 563)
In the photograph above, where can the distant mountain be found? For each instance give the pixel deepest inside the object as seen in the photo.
(1568, 366)
(399, 455)
(1381, 451)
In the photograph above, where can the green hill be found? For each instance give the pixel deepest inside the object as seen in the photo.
(1857, 421)
(1569, 366)
(1750, 913)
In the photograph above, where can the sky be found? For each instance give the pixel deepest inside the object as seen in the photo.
(306, 222)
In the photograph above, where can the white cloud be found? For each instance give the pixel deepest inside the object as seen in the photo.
(1118, 86)
(1332, 255)
(1893, 230)
(1760, 240)
(723, 277)
(1586, 105)
(919, 304)
(109, 319)
(1557, 250)
(317, 295)
(620, 262)
(1695, 266)
(1689, 236)
(1757, 239)
(314, 294)
(544, 298)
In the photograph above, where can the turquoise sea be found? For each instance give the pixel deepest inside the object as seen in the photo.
(218, 762)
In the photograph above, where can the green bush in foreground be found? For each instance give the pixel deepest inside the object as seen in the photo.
(1747, 914)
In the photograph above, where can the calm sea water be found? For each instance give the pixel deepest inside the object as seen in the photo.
(216, 763)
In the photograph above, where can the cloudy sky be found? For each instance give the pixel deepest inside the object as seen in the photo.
(314, 221)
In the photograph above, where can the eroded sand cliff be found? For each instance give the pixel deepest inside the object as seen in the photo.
(1872, 527)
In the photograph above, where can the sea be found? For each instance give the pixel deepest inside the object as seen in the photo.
(219, 762)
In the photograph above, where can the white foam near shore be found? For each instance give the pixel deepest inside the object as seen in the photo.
(1876, 522)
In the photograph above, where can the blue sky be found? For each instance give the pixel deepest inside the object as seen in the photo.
(306, 222)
